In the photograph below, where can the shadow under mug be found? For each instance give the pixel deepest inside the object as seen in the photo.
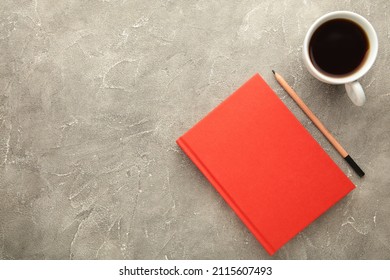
(352, 86)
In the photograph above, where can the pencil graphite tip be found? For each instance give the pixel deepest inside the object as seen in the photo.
(273, 72)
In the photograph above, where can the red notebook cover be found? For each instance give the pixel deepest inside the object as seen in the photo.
(265, 164)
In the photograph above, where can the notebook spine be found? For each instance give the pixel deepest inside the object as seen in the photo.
(195, 159)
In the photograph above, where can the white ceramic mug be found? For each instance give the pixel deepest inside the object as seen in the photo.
(352, 86)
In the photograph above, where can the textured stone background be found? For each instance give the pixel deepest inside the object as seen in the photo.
(94, 93)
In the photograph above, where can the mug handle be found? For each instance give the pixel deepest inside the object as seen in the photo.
(356, 93)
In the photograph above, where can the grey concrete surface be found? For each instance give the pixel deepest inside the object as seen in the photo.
(93, 95)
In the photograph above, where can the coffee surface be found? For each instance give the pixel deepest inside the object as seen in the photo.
(338, 47)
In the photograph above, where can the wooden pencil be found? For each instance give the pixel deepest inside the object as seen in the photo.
(318, 124)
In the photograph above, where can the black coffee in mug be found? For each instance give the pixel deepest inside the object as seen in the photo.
(338, 47)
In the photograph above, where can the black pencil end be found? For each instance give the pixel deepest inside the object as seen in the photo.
(354, 165)
(273, 72)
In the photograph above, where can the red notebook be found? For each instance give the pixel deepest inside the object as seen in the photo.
(265, 164)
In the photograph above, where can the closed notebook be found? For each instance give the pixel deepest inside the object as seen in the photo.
(265, 164)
